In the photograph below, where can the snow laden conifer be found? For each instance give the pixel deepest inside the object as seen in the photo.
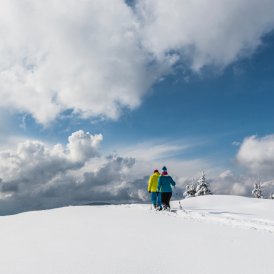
(190, 190)
(202, 187)
(257, 191)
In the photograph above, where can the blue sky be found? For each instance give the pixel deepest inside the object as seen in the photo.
(97, 94)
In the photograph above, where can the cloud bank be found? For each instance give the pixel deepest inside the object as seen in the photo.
(39, 176)
(96, 58)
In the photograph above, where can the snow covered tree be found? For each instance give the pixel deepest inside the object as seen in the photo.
(190, 190)
(257, 191)
(202, 187)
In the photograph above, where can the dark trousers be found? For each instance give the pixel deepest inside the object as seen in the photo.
(166, 196)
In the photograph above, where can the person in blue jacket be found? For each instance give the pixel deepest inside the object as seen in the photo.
(165, 183)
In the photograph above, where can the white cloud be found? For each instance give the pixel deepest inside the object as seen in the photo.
(257, 155)
(80, 55)
(226, 174)
(205, 32)
(241, 184)
(83, 146)
(231, 183)
(97, 57)
(236, 143)
(38, 163)
(154, 150)
(38, 176)
(154, 154)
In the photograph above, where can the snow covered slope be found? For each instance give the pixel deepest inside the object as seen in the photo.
(216, 234)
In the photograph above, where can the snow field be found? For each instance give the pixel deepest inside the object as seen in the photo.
(218, 234)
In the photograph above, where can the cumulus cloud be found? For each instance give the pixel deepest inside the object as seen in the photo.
(232, 184)
(38, 176)
(35, 163)
(243, 185)
(80, 55)
(205, 32)
(97, 57)
(82, 146)
(257, 155)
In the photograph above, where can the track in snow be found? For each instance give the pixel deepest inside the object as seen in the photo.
(228, 219)
(216, 216)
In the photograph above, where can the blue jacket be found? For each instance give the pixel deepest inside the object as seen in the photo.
(164, 183)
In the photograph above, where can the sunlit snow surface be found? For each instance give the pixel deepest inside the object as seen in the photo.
(212, 234)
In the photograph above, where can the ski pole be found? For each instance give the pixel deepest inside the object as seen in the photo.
(176, 194)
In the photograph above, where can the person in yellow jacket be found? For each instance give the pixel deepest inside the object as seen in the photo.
(152, 189)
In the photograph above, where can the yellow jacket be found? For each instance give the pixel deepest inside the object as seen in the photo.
(153, 182)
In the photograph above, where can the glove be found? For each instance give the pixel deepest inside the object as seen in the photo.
(149, 191)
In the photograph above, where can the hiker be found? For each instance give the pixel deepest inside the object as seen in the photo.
(152, 189)
(164, 186)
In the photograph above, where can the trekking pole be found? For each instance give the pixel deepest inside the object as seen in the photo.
(180, 205)
(176, 194)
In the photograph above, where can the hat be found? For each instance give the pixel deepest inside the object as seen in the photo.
(156, 170)
(164, 168)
